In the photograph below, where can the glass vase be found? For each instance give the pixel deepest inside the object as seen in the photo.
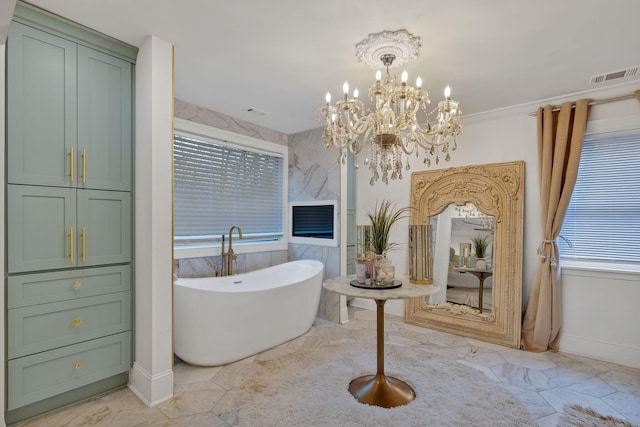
(384, 271)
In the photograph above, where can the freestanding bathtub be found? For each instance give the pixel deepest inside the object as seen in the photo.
(218, 320)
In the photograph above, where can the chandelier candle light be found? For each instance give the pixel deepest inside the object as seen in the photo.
(393, 128)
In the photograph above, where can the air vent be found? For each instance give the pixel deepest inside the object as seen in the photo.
(255, 111)
(630, 73)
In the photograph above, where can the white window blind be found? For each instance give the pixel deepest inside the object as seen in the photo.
(218, 185)
(603, 219)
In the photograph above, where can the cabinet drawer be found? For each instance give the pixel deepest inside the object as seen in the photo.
(47, 374)
(47, 326)
(41, 288)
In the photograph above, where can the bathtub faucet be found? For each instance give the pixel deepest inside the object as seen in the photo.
(230, 256)
(222, 260)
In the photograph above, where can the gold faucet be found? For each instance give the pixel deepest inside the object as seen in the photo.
(230, 256)
(223, 253)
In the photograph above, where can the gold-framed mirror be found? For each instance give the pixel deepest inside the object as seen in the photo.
(489, 199)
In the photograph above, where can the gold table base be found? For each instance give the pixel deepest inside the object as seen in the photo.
(379, 389)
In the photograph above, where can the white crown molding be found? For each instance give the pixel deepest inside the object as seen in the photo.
(531, 107)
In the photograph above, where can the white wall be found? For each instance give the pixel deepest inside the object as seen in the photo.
(601, 316)
(501, 136)
(6, 13)
(151, 377)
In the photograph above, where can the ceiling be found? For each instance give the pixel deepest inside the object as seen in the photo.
(281, 57)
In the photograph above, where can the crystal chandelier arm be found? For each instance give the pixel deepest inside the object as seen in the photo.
(409, 143)
(360, 125)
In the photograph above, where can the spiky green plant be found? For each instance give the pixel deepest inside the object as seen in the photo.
(480, 245)
(382, 219)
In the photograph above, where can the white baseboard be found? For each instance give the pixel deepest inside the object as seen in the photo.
(601, 350)
(151, 389)
(392, 306)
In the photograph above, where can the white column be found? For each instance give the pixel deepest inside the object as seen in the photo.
(151, 377)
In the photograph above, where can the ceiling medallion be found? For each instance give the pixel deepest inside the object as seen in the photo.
(393, 128)
(402, 44)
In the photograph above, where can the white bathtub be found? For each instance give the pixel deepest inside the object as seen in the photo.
(218, 320)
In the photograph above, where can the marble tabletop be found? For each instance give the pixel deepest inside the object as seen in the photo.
(341, 285)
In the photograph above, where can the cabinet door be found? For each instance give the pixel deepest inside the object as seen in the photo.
(104, 227)
(41, 107)
(104, 121)
(41, 228)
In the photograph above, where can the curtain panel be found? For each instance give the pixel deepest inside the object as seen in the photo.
(560, 136)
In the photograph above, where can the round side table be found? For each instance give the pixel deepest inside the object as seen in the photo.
(379, 389)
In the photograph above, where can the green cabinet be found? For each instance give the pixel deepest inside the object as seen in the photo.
(104, 227)
(41, 107)
(41, 288)
(69, 115)
(66, 329)
(104, 121)
(41, 375)
(41, 230)
(54, 228)
(42, 327)
(69, 107)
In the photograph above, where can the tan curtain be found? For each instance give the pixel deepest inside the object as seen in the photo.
(560, 135)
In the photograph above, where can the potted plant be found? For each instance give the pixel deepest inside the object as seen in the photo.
(480, 245)
(382, 218)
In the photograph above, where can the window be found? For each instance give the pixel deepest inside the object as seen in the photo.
(222, 179)
(603, 219)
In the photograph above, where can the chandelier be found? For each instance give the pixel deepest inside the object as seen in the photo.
(477, 217)
(399, 123)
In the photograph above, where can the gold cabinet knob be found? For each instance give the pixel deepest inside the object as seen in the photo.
(76, 366)
(76, 322)
(76, 286)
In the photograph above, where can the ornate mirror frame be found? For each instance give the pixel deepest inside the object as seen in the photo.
(497, 190)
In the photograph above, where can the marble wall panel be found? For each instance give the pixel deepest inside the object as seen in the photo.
(194, 113)
(244, 263)
(315, 175)
(196, 267)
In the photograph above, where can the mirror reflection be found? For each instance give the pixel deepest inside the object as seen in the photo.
(463, 257)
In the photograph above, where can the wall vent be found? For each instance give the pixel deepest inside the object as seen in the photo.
(255, 111)
(630, 73)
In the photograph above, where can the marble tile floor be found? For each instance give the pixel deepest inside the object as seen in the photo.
(544, 382)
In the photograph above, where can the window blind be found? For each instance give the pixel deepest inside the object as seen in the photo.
(218, 185)
(603, 219)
